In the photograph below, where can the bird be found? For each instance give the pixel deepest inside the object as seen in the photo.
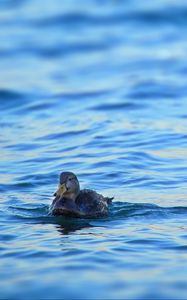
(71, 201)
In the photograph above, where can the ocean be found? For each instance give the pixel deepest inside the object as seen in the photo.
(97, 88)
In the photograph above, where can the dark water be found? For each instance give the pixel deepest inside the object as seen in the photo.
(98, 88)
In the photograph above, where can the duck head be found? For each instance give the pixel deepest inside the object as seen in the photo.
(67, 192)
(69, 187)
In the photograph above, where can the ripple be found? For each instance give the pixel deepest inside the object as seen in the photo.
(61, 135)
(118, 210)
(176, 15)
(10, 95)
(68, 49)
(153, 90)
(88, 94)
(118, 106)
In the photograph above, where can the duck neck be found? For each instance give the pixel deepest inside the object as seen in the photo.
(71, 196)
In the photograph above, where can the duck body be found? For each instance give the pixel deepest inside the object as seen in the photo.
(84, 203)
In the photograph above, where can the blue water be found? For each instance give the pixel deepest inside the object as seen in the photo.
(97, 88)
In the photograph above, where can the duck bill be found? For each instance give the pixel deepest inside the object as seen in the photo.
(61, 190)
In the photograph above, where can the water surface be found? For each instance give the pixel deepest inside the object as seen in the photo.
(97, 88)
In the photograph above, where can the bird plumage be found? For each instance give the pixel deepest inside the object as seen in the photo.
(73, 202)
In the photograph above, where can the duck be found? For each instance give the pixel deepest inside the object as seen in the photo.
(71, 201)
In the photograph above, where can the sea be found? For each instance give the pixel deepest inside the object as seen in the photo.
(98, 88)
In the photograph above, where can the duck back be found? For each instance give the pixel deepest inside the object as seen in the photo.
(92, 204)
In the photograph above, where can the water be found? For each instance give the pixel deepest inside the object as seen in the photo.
(97, 88)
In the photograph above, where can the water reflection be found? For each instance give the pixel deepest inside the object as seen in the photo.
(66, 227)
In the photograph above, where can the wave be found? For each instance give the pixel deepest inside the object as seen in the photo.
(118, 211)
(160, 16)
